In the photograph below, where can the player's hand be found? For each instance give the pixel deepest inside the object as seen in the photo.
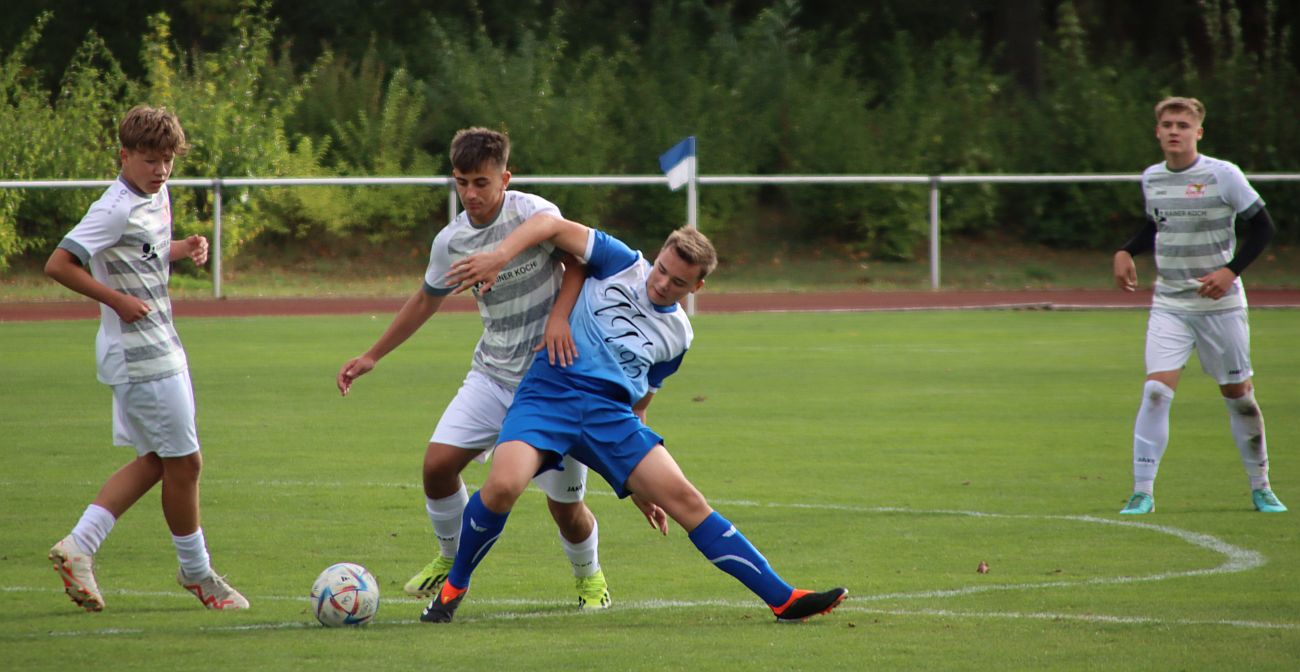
(558, 342)
(1216, 284)
(477, 270)
(129, 308)
(1126, 276)
(355, 368)
(656, 516)
(198, 249)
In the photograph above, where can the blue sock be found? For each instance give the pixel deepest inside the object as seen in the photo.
(479, 529)
(727, 548)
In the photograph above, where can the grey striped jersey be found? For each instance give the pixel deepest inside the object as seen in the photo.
(124, 239)
(1195, 211)
(514, 312)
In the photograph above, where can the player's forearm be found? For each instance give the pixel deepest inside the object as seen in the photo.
(64, 268)
(179, 249)
(575, 274)
(564, 234)
(414, 313)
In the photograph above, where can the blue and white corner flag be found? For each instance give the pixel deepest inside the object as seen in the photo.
(678, 163)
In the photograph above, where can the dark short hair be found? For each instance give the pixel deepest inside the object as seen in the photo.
(152, 129)
(472, 148)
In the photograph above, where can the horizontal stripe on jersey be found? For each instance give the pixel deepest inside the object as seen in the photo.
(1195, 211)
(515, 311)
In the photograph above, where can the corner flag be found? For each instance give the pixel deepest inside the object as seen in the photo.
(678, 163)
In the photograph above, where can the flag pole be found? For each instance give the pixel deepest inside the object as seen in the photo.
(692, 218)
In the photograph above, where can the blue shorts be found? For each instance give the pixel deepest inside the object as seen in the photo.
(557, 418)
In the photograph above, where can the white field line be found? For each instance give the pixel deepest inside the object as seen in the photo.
(1235, 559)
(564, 610)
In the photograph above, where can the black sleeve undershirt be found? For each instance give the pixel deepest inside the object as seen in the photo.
(1259, 231)
(1144, 241)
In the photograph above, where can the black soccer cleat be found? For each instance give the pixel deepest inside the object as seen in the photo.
(804, 604)
(444, 604)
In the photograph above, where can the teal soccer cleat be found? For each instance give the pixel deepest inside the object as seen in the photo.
(1139, 504)
(1266, 501)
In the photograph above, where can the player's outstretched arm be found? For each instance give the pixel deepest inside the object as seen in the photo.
(64, 267)
(481, 269)
(414, 313)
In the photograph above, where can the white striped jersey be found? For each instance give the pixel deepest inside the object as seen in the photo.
(514, 312)
(1195, 211)
(124, 239)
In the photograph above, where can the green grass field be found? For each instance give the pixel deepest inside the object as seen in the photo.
(887, 452)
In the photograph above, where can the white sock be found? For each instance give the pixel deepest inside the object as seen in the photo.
(1247, 423)
(584, 555)
(95, 524)
(1150, 434)
(445, 514)
(192, 552)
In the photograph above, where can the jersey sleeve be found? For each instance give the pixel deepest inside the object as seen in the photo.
(435, 274)
(607, 255)
(1235, 190)
(100, 228)
(661, 370)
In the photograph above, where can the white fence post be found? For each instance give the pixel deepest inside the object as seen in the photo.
(216, 238)
(934, 232)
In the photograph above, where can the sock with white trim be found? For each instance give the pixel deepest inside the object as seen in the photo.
(731, 552)
(480, 528)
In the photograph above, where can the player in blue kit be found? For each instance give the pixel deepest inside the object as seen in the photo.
(1199, 303)
(529, 305)
(631, 334)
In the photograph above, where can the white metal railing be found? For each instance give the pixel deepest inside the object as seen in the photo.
(692, 204)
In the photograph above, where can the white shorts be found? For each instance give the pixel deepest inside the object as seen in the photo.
(473, 420)
(156, 416)
(1221, 341)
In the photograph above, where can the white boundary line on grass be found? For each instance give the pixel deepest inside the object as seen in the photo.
(1236, 559)
(563, 610)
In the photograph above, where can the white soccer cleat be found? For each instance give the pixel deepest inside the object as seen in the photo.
(213, 591)
(77, 569)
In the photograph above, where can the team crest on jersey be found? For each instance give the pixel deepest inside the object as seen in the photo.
(1195, 190)
(148, 252)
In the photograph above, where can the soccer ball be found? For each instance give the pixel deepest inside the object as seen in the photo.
(345, 594)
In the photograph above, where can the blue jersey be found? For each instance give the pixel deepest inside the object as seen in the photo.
(626, 344)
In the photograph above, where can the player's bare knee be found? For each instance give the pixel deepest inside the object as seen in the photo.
(500, 494)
